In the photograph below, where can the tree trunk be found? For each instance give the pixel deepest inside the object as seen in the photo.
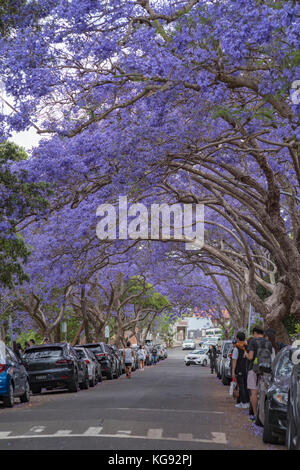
(57, 334)
(279, 304)
(77, 336)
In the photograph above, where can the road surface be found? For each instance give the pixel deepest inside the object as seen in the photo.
(165, 407)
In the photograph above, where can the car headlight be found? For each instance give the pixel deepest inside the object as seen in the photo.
(281, 398)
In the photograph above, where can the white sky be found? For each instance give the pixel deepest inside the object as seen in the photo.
(26, 139)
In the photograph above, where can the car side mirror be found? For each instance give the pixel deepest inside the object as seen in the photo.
(294, 356)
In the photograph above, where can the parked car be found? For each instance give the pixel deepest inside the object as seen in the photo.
(188, 344)
(226, 348)
(197, 357)
(123, 362)
(135, 364)
(118, 356)
(148, 360)
(14, 380)
(55, 365)
(106, 358)
(293, 413)
(97, 365)
(91, 362)
(273, 390)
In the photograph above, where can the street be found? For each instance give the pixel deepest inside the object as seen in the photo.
(165, 407)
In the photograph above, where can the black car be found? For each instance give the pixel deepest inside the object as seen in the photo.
(293, 414)
(273, 390)
(106, 358)
(55, 365)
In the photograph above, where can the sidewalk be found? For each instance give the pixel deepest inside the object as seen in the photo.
(240, 431)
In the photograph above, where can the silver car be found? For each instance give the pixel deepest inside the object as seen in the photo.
(85, 355)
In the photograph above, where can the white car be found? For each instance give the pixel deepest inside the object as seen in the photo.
(197, 357)
(188, 344)
(86, 356)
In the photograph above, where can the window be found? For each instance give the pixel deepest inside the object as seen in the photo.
(285, 366)
(80, 353)
(36, 354)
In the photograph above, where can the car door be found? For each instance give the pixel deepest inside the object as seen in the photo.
(14, 370)
(112, 359)
(80, 364)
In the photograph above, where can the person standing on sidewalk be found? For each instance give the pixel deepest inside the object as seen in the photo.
(154, 355)
(239, 370)
(128, 357)
(257, 343)
(212, 354)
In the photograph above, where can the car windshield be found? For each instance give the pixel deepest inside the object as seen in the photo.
(285, 366)
(80, 353)
(199, 351)
(43, 353)
(226, 347)
(95, 348)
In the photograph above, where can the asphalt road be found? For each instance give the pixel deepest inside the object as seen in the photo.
(165, 407)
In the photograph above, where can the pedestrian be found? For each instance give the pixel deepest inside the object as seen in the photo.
(16, 350)
(154, 355)
(239, 370)
(270, 334)
(141, 357)
(26, 345)
(31, 342)
(45, 340)
(258, 347)
(212, 354)
(128, 358)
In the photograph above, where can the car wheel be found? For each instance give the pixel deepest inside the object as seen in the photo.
(36, 390)
(26, 396)
(109, 375)
(8, 400)
(73, 387)
(187, 363)
(268, 437)
(290, 432)
(204, 363)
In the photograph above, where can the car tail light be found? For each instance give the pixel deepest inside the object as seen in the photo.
(87, 361)
(64, 361)
(2, 367)
(230, 355)
(101, 354)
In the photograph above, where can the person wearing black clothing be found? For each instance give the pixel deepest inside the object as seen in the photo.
(252, 378)
(270, 334)
(239, 370)
(212, 354)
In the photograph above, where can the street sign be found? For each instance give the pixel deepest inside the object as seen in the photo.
(64, 327)
(106, 331)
